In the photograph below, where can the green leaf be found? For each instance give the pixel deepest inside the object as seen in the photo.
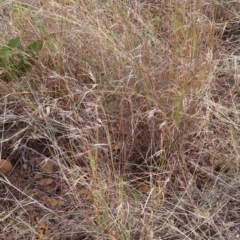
(4, 52)
(13, 43)
(36, 46)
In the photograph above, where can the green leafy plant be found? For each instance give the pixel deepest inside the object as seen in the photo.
(16, 61)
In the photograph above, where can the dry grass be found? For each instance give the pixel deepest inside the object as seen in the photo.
(134, 108)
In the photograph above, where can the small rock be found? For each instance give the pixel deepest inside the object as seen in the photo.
(5, 166)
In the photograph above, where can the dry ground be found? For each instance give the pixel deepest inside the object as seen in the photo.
(127, 126)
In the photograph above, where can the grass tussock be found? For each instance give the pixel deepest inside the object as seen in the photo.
(126, 126)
